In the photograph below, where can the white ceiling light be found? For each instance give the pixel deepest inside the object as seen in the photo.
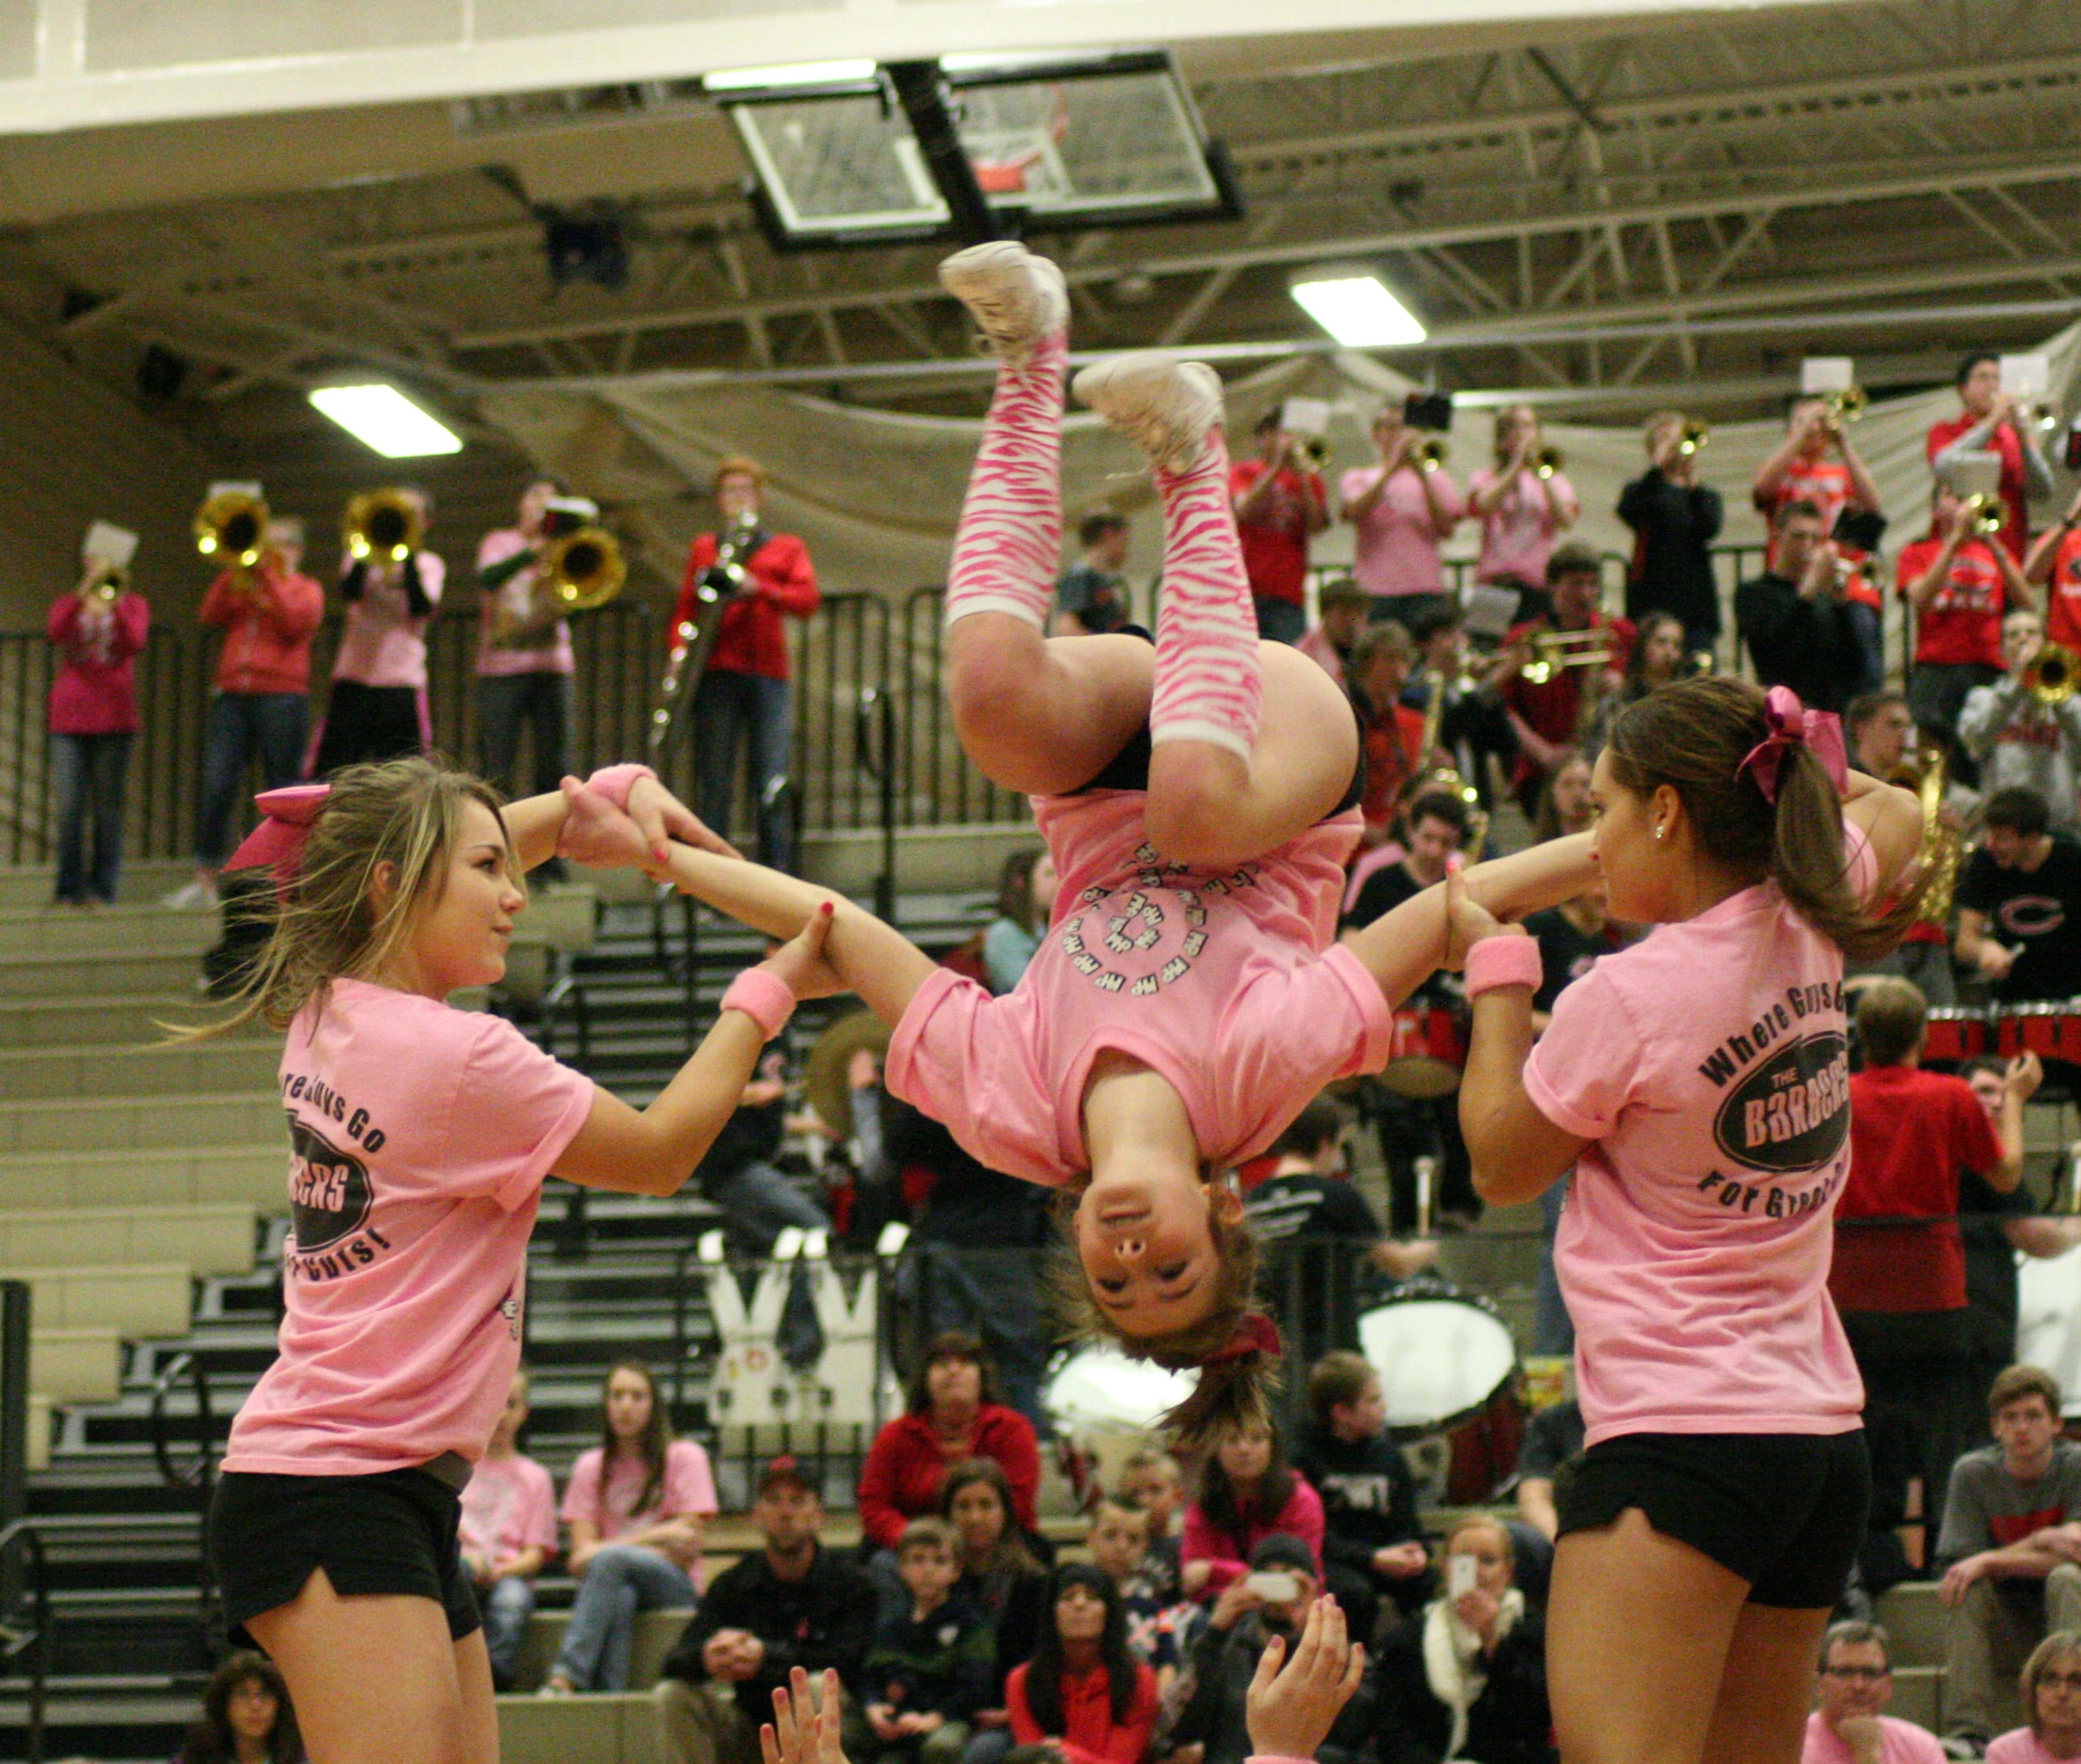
(796, 74)
(1355, 307)
(382, 417)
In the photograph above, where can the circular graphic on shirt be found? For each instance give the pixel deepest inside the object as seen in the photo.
(1792, 1112)
(329, 1191)
(2032, 916)
(1138, 939)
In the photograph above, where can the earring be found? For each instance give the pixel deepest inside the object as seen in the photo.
(1660, 831)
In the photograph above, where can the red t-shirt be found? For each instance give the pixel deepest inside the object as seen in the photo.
(2062, 605)
(1826, 484)
(1394, 749)
(1553, 708)
(1964, 622)
(2015, 531)
(1275, 540)
(1911, 1131)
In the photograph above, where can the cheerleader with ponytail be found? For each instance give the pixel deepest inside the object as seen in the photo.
(1697, 1083)
(419, 1137)
(1200, 798)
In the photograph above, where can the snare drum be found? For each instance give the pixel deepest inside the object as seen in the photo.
(1448, 1366)
(1430, 1052)
(1954, 1036)
(2050, 1031)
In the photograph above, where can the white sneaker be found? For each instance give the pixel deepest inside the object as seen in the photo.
(194, 895)
(1170, 406)
(1018, 298)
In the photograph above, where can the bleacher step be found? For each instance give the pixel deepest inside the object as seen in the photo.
(203, 1174)
(122, 1123)
(76, 1073)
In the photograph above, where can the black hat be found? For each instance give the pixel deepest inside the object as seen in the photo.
(1282, 1550)
(786, 1469)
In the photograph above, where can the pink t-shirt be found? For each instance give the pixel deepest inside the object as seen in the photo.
(1517, 540)
(419, 1137)
(511, 598)
(381, 644)
(689, 1488)
(509, 1506)
(1398, 540)
(1708, 1067)
(2020, 1746)
(1227, 984)
(1900, 1742)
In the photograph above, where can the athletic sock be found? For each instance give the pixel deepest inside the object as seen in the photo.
(1209, 683)
(1010, 541)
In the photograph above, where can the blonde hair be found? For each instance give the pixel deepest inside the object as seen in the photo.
(406, 814)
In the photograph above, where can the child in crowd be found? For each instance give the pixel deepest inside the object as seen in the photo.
(637, 1505)
(1119, 1540)
(1151, 1480)
(1248, 1492)
(1373, 1543)
(931, 1666)
(509, 1532)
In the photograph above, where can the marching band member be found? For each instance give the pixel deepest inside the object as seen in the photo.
(743, 695)
(377, 706)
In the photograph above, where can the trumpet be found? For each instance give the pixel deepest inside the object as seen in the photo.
(2053, 674)
(1430, 453)
(1847, 404)
(584, 568)
(1697, 434)
(1553, 650)
(1546, 461)
(386, 525)
(112, 583)
(1313, 450)
(1987, 513)
(233, 525)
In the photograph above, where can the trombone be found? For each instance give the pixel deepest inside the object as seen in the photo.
(231, 525)
(2052, 674)
(386, 525)
(1553, 650)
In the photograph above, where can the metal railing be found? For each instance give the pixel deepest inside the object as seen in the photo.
(198, 1479)
(875, 748)
(860, 648)
(25, 1620)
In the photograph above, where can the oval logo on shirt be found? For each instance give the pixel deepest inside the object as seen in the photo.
(2032, 916)
(1792, 1112)
(329, 1191)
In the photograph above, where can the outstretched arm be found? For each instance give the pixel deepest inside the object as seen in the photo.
(1404, 949)
(865, 956)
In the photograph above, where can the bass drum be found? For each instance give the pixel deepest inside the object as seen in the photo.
(1103, 1407)
(2049, 1320)
(1449, 1377)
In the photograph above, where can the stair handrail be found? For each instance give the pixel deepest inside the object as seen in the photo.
(876, 715)
(203, 1476)
(26, 1535)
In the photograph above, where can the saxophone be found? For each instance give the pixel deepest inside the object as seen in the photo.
(719, 584)
(1940, 848)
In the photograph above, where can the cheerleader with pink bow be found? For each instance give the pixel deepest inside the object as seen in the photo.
(419, 1137)
(1698, 1084)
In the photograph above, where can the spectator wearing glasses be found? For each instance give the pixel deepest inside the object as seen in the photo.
(2051, 1698)
(1850, 1725)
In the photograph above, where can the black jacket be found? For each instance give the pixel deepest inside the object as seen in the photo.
(1508, 1724)
(1369, 1496)
(1671, 570)
(825, 1619)
(1806, 645)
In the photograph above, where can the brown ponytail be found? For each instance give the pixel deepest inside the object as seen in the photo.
(1693, 735)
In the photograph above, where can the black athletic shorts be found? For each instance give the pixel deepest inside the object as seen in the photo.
(393, 1532)
(1784, 1511)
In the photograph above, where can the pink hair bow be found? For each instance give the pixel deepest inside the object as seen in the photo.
(278, 841)
(1793, 725)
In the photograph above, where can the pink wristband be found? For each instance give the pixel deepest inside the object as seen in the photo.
(762, 995)
(1503, 961)
(615, 782)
